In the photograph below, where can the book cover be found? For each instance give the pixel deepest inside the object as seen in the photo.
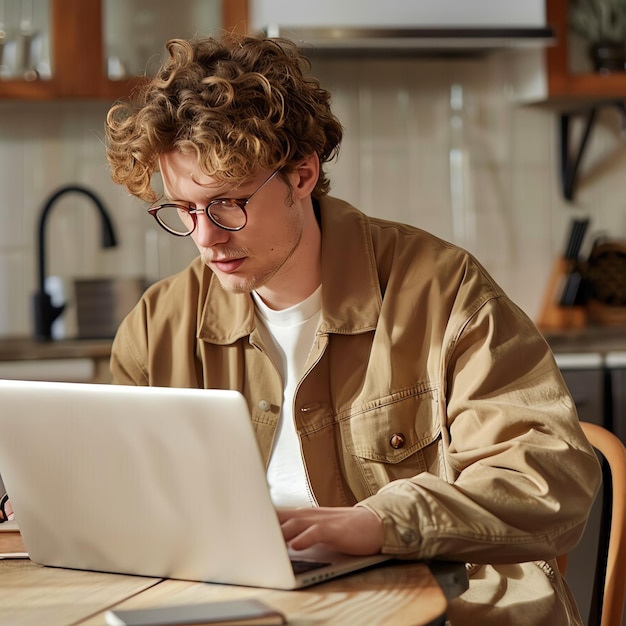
(11, 541)
(244, 612)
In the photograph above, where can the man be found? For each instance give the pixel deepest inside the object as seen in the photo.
(401, 401)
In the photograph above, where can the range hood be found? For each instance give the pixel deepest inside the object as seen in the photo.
(426, 40)
(414, 27)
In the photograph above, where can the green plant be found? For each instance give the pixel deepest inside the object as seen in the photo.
(599, 21)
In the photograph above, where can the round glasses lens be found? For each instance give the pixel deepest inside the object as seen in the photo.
(176, 219)
(227, 214)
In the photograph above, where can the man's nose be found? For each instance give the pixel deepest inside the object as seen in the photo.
(207, 234)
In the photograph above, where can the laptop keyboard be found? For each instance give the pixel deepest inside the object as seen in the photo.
(300, 566)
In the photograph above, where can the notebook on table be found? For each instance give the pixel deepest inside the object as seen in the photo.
(150, 481)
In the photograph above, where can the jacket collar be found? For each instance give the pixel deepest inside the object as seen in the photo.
(347, 259)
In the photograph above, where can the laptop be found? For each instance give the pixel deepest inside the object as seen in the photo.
(151, 481)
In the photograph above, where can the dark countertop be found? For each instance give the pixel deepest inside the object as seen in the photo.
(28, 348)
(601, 339)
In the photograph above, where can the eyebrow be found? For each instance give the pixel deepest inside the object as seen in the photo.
(225, 194)
(167, 198)
(206, 201)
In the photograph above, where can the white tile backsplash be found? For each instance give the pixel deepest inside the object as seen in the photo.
(394, 162)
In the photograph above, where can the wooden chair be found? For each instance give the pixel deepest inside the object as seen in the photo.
(607, 603)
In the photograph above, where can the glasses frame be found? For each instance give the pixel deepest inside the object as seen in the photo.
(242, 203)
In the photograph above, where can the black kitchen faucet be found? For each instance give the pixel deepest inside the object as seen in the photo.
(44, 311)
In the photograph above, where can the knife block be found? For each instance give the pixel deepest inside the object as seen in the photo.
(553, 316)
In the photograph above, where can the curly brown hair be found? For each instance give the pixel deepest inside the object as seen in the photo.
(239, 103)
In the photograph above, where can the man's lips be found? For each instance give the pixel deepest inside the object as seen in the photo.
(228, 266)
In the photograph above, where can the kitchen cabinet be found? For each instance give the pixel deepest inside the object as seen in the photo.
(584, 375)
(565, 83)
(77, 53)
(593, 364)
(616, 367)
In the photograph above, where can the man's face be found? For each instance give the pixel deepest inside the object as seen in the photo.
(265, 252)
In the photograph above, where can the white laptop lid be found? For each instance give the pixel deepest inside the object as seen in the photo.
(143, 480)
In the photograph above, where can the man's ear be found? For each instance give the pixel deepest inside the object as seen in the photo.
(306, 175)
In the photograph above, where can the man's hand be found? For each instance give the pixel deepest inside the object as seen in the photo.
(352, 530)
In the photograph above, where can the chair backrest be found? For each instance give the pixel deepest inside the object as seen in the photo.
(610, 579)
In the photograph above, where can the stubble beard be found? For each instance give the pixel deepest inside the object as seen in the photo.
(248, 284)
(244, 284)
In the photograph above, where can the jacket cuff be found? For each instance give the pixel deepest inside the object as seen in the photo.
(401, 527)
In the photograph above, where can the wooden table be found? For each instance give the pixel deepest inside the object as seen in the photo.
(399, 594)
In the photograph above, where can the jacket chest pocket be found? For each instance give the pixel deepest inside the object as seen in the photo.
(394, 437)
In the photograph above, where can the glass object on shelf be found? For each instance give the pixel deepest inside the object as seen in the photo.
(135, 31)
(24, 39)
(597, 36)
(579, 59)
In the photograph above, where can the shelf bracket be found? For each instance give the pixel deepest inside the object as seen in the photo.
(570, 161)
(570, 157)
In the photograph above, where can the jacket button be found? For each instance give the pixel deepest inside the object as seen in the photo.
(408, 536)
(264, 405)
(397, 441)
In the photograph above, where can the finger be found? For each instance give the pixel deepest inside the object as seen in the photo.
(294, 526)
(286, 514)
(306, 538)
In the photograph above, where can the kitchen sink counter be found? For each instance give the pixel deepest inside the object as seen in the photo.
(28, 348)
(598, 339)
(69, 360)
(601, 339)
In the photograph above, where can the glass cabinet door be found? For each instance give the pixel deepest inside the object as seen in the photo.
(135, 31)
(24, 39)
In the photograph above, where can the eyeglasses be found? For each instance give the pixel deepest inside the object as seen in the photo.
(227, 213)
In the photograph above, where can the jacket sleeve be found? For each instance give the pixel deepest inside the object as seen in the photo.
(519, 476)
(128, 361)
(156, 343)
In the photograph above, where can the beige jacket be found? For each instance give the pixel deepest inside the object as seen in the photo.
(429, 397)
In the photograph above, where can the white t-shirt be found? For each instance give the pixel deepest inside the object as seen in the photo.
(289, 335)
